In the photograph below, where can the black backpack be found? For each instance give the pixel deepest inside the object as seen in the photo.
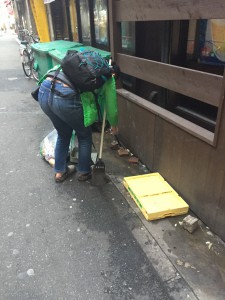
(87, 70)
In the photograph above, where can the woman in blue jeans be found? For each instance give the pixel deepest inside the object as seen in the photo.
(65, 110)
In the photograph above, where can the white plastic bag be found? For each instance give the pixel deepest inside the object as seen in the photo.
(47, 146)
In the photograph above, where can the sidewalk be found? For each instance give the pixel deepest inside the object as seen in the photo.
(75, 241)
(198, 258)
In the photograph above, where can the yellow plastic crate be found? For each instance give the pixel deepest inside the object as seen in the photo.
(154, 196)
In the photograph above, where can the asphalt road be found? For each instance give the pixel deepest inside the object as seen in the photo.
(65, 241)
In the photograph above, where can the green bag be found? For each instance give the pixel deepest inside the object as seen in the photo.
(106, 97)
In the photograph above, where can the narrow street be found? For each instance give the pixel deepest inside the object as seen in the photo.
(65, 241)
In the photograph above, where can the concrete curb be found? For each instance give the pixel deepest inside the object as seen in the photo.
(178, 288)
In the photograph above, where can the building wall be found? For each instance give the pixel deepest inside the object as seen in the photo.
(192, 166)
(40, 16)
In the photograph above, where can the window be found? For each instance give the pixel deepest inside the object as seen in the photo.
(128, 37)
(197, 45)
(212, 41)
(191, 43)
(128, 30)
(85, 22)
(101, 22)
(93, 29)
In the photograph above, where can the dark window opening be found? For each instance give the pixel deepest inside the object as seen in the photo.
(93, 27)
(199, 45)
(128, 33)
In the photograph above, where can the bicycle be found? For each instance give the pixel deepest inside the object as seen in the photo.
(29, 64)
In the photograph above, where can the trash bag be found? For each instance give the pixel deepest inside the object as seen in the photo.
(47, 147)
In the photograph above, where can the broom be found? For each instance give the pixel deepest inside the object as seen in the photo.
(98, 172)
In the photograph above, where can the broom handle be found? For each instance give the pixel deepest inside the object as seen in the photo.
(102, 134)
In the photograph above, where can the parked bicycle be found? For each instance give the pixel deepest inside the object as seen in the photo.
(29, 64)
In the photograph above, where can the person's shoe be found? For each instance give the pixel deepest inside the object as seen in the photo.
(69, 171)
(84, 177)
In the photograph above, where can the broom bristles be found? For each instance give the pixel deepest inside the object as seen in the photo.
(98, 174)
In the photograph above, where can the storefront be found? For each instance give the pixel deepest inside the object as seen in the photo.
(93, 23)
(171, 101)
(171, 111)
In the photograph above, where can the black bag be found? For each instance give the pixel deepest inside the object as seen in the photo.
(34, 94)
(87, 70)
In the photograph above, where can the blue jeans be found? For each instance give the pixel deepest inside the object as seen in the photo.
(66, 114)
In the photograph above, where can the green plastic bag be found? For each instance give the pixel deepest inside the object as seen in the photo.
(106, 98)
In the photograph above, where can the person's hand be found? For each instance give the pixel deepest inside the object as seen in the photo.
(114, 130)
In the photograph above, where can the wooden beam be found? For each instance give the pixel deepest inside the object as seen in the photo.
(149, 10)
(115, 31)
(168, 116)
(202, 86)
(219, 130)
